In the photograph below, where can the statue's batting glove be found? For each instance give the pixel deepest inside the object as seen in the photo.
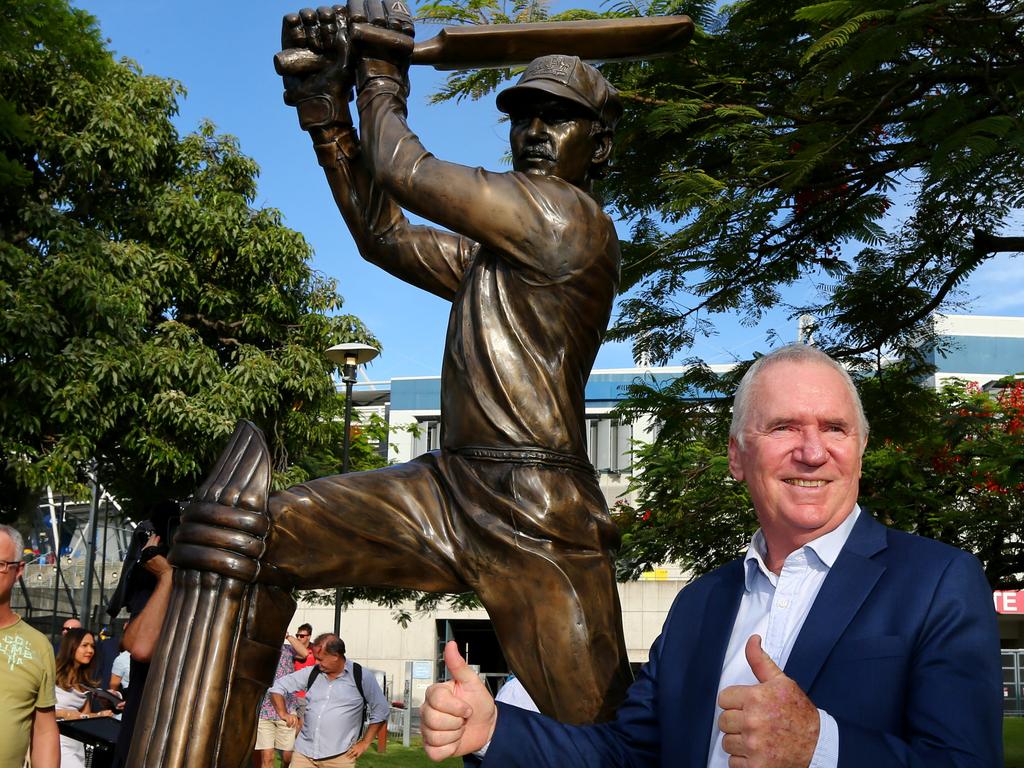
(320, 94)
(382, 31)
(225, 527)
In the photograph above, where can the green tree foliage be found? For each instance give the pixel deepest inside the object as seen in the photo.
(145, 304)
(869, 150)
(790, 135)
(782, 141)
(958, 476)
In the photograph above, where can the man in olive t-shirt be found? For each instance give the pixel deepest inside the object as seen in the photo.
(26, 674)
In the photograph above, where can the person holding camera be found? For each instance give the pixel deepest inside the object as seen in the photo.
(147, 604)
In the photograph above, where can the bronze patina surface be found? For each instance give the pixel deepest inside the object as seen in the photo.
(509, 506)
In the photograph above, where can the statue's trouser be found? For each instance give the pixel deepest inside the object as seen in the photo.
(532, 541)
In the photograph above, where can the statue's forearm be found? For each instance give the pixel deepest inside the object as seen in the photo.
(368, 211)
(428, 258)
(392, 150)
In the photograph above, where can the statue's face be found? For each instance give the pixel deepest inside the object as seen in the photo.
(554, 137)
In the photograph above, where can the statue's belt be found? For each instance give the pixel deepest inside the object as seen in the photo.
(539, 456)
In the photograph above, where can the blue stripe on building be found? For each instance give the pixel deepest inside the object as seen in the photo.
(980, 354)
(604, 390)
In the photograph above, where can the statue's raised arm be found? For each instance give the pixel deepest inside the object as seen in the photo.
(428, 258)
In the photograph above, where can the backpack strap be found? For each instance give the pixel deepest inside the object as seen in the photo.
(357, 678)
(357, 674)
(313, 674)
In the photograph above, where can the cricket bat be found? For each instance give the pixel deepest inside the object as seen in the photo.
(476, 46)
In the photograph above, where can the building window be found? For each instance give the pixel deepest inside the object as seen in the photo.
(609, 444)
(428, 436)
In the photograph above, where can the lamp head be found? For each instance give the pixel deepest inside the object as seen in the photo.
(351, 353)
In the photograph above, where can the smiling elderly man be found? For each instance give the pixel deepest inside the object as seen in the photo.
(834, 642)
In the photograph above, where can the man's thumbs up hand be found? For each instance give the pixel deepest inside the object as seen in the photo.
(760, 662)
(458, 716)
(769, 725)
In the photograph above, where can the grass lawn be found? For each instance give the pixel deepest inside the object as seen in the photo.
(398, 756)
(413, 756)
(1013, 741)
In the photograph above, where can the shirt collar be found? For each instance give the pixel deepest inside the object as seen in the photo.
(826, 547)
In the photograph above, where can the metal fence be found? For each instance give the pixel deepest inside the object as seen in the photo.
(1013, 682)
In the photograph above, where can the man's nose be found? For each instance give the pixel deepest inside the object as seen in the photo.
(811, 449)
(536, 127)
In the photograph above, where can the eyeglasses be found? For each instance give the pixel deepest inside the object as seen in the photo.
(302, 635)
(6, 564)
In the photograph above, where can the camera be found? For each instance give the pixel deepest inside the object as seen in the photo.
(163, 520)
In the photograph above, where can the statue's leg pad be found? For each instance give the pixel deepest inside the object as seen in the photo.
(222, 641)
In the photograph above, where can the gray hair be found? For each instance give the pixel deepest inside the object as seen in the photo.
(19, 543)
(791, 353)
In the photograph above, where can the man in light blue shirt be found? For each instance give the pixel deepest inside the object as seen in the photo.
(329, 735)
(834, 642)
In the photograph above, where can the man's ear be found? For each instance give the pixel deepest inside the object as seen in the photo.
(602, 148)
(735, 467)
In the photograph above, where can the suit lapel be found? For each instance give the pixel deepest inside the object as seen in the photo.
(705, 668)
(848, 584)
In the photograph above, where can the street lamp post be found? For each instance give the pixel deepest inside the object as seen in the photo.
(348, 357)
(90, 552)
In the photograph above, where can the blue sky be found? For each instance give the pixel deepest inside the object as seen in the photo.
(222, 53)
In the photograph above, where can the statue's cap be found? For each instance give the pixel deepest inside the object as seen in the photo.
(570, 78)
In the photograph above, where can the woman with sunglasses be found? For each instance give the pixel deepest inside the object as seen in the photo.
(76, 670)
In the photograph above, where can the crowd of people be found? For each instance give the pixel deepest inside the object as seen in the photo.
(314, 712)
(313, 715)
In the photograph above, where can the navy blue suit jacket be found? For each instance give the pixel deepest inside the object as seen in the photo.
(900, 647)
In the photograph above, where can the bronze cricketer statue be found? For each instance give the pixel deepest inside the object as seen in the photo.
(510, 506)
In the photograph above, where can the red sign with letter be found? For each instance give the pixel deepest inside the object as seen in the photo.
(1008, 601)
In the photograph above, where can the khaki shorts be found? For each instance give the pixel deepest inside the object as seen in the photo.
(275, 734)
(340, 761)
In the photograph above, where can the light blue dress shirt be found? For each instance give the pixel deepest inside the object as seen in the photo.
(775, 607)
(334, 710)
